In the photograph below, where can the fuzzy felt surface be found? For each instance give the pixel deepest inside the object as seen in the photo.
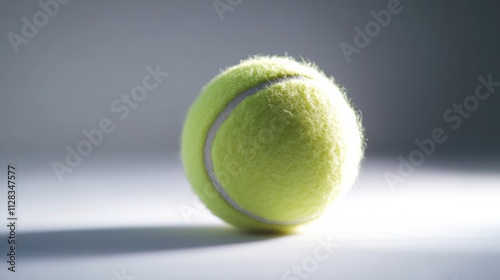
(284, 153)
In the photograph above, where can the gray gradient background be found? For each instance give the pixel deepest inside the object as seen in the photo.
(91, 52)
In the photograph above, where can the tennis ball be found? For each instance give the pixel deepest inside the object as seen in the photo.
(270, 143)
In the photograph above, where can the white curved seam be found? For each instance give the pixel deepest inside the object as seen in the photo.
(209, 166)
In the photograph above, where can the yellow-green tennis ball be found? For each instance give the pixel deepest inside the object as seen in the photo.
(269, 143)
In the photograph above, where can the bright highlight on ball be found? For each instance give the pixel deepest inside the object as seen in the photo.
(270, 143)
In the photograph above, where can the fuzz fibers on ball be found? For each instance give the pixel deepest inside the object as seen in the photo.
(270, 143)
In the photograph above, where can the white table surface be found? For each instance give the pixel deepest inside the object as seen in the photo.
(123, 219)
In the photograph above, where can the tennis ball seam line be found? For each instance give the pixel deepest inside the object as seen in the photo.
(209, 166)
